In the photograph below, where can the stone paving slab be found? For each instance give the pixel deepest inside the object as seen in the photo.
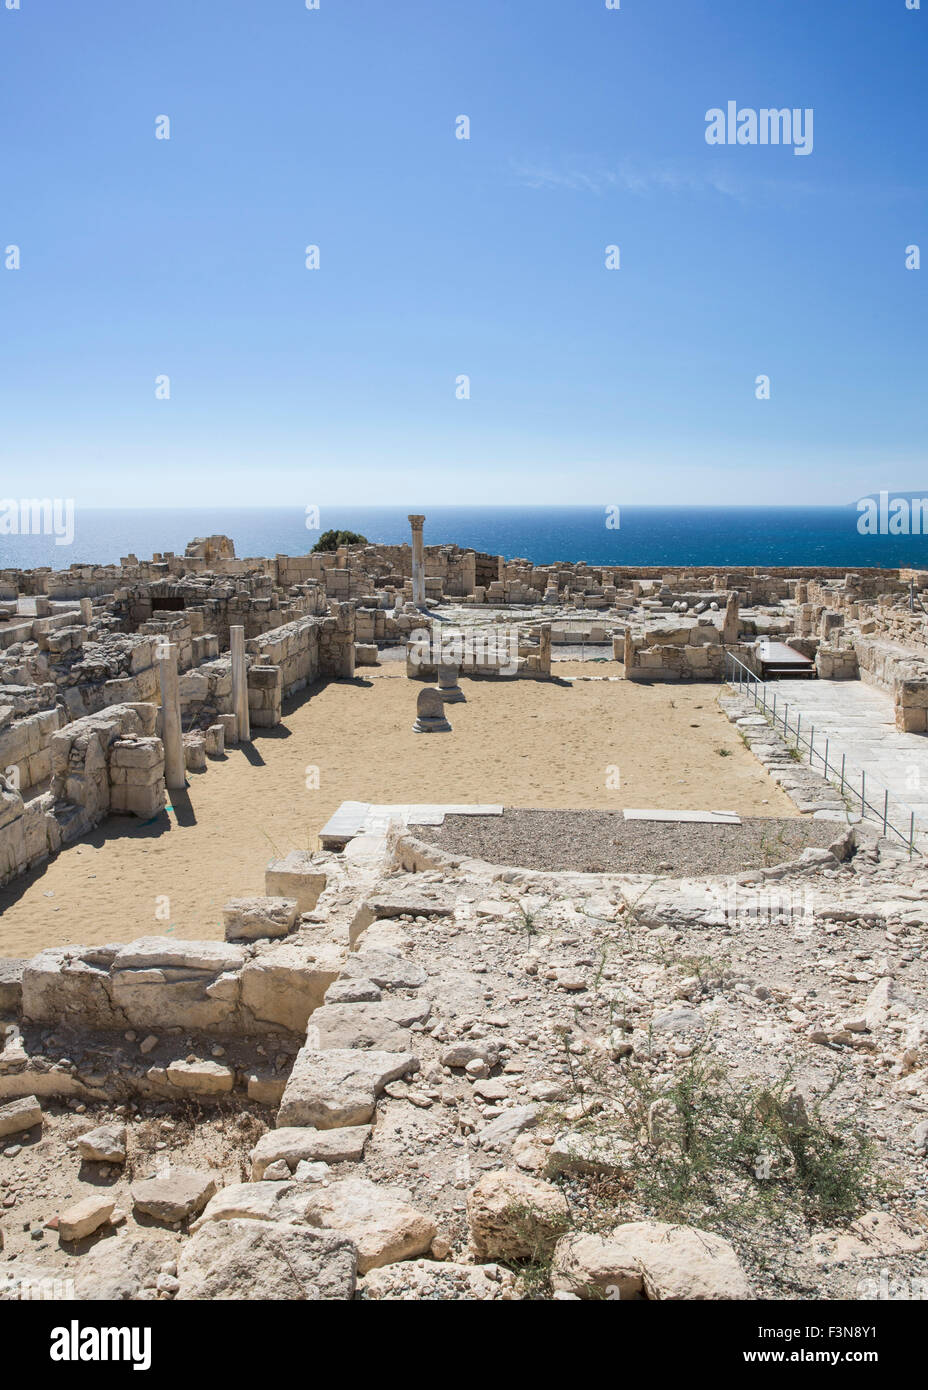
(859, 722)
(361, 817)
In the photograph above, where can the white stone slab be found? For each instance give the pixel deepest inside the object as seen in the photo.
(362, 818)
(687, 817)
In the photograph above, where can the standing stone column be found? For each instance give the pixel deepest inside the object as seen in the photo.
(171, 734)
(730, 624)
(418, 560)
(86, 611)
(240, 685)
(544, 649)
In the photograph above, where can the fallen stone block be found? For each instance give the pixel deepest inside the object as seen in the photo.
(201, 1077)
(340, 1086)
(105, 1144)
(256, 1260)
(19, 1115)
(512, 1216)
(249, 919)
(384, 968)
(649, 1259)
(265, 1087)
(181, 1193)
(85, 1217)
(414, 1280)
(380, 1025)
(119, 1267)
(583, 1152)
(378, 1220)
(294, 1145)
(258, 1201)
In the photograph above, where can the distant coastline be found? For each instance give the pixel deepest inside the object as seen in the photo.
(755, 536)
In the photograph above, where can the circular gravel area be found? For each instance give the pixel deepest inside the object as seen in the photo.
(604, 842)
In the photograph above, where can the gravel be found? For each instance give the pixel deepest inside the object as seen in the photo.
(604, 842)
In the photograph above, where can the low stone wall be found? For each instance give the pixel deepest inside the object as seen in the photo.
(900, 672)
(693, 653)
(157, 983)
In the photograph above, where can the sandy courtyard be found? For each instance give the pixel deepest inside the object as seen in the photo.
(521, 743)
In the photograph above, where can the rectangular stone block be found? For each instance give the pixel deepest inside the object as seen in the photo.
(295, 876)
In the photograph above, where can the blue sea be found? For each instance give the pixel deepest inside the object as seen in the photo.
(764, 536)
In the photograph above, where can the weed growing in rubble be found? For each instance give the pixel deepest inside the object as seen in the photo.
(710, 1148)
(528, 922)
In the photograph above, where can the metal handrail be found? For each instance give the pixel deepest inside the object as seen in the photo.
(844, 777)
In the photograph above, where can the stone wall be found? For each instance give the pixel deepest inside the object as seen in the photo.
(160, 983)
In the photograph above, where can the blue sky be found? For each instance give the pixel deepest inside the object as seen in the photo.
(441, 257)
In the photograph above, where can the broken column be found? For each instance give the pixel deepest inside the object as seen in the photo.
(730, 626)
(86, 611)
(451, 692)
(239, 684)
(418, 559)
(430, 714)
(171, 733)
(544, 649)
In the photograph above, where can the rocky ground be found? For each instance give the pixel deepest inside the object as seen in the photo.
(584, 1084)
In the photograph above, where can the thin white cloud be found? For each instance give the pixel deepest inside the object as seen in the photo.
(626, 177)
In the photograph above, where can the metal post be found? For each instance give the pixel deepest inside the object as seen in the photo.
(774, 707)
(885, 811)
(911, 833)
(812, 745)
(863, 799)
(827, 741)
(843, 756)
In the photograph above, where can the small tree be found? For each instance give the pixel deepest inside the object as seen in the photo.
(331, 540)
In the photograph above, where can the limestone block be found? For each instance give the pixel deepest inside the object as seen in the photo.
(201, 1077)
(181, 1193)
(61, 983)
(328, 1089)
(11, 984)
(249, 1260)
(295, 876)
(195, 752)
(19, 1115)
(215, 740)
(105, 1144)
(380, 1221)
(513, 1216)
(283, 986)
(652, 1258)
(249, 919)
(301, 1144)
(85, 1217)
(382, 1025)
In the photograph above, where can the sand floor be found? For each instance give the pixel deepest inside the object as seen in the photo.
(520, 743)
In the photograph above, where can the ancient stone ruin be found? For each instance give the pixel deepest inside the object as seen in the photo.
(448, 1055)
